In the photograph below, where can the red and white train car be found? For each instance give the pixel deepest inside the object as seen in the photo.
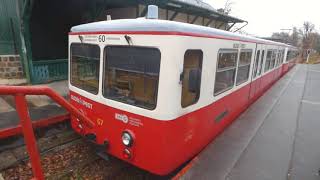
(160, 91)
(291, 54)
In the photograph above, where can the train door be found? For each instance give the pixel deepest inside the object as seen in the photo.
(256, 71)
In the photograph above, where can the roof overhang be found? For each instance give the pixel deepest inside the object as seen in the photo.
(195, 7)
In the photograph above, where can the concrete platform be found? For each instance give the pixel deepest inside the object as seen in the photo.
(13, 82)
(40, 106)
(11, 119)
(277, 138)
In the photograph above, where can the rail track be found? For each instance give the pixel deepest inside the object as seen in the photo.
(65, 155)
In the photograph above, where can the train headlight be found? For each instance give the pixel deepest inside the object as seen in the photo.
(127, 139)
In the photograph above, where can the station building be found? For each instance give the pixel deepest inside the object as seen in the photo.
(34, 34)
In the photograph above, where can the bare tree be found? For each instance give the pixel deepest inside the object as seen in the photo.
(227, 7)
(282, 37)
(309, 37)
(285, 37)
(307, 29)
(317, 43)
(295, 37)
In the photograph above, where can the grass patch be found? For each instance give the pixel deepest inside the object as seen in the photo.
(314, 59)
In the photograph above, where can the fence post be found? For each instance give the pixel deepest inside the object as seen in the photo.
(29, 138)
(14, 37)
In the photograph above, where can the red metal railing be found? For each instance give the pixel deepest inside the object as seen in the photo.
(26, 125)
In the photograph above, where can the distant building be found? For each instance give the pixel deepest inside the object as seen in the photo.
(34, 34)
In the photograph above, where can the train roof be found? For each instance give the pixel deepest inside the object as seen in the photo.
(164, 26)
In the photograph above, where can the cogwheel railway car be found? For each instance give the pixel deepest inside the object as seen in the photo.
(160, 91)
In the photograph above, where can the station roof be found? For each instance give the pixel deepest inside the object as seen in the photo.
(151, 25)
(194, 7)
(205, 8)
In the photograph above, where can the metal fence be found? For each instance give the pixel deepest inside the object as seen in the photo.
(49, 70)
(42, 71)
(8, 27)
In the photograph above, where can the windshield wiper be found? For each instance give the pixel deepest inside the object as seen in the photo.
(128, 39)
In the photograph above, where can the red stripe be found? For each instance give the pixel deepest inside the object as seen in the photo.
(168, 33)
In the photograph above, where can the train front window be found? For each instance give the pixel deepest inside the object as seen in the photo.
(85, 63)
(131, 75)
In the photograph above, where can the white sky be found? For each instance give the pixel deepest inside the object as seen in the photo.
(267, 16)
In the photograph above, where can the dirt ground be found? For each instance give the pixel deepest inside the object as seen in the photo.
(78, 162)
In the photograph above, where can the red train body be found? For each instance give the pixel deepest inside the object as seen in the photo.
(167, 136)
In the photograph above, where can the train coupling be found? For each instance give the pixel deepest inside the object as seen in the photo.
(99, 148)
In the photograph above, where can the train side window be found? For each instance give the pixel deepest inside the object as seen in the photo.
(291, 55)
(84, 66)
(268, 60)
(256, 63)
(273, 59)
(281, 57)
(288, 54)
(278, 58)
(191, 77)
(226, 70)
(261, 63)
(244, 66)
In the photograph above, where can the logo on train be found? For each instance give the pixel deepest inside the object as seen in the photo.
(99, 122)
(121, 117)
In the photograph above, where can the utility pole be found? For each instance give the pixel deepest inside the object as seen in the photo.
(308, 55)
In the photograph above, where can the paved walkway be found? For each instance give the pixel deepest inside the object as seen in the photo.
(40, 107)
(12, 82)
(7, 103)
(277, 138)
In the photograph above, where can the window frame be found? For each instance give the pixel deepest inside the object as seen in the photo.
(282, 57)
(104, 76)
(261, 66)
(256, 63)
(238, 66)
(278, 58)
(231, 50)
(201, 67)
(273, 59)
(264, 68)
(70, 61)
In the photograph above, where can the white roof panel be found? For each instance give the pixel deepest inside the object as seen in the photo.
(143, 25)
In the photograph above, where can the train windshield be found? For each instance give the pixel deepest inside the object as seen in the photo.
(131, 75)
(85, 62)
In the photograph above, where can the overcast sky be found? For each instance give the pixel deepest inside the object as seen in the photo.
(267, 16)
